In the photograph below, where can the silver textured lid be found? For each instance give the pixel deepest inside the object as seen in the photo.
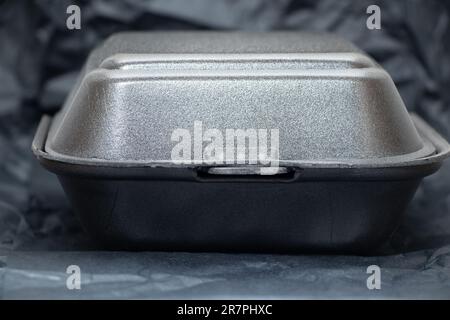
(331, 103)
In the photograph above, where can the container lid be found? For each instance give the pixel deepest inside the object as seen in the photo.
(227, 99)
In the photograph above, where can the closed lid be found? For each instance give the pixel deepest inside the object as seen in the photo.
(199, 97)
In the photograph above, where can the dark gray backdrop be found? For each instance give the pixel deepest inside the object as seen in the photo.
(39, 236)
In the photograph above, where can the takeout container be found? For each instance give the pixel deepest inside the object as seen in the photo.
(348, 160)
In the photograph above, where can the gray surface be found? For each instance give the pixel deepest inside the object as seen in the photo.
(39, 62)
(112, 275)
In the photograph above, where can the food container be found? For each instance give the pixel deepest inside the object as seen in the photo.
(231, 141)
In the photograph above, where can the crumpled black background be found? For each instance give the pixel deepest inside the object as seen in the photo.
(39, 236)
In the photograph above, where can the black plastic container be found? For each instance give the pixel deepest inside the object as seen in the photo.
(347, 161)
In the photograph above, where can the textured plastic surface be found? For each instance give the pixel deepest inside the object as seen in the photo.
(351, 157)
